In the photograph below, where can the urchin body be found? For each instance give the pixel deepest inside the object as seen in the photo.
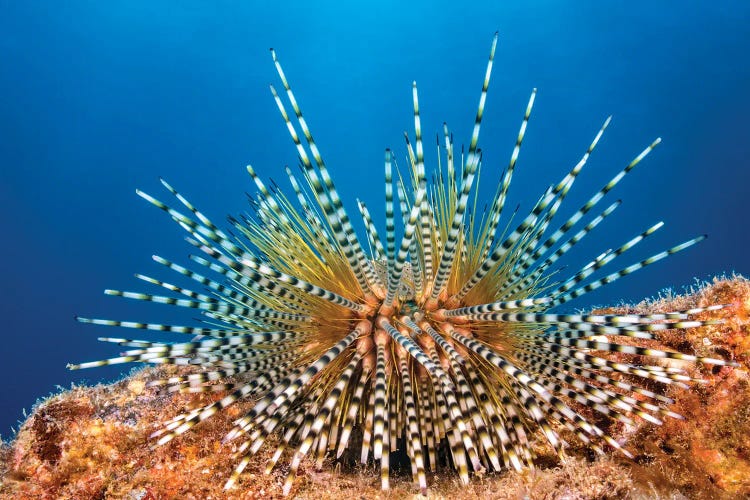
(443, 344)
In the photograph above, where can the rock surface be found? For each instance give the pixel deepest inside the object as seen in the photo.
(93, 442)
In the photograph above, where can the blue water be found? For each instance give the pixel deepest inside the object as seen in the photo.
(101, 98)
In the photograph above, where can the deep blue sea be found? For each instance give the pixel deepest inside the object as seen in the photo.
(100, 98)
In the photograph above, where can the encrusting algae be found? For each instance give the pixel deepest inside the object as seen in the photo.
(93, 442)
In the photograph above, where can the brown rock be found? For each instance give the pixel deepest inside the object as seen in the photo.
(93, 442)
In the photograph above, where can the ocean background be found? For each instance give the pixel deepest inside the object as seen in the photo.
(100, 98)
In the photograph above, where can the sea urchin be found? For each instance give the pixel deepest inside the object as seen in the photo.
(441, 346)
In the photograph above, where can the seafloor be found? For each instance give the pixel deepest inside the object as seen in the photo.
(92, 442)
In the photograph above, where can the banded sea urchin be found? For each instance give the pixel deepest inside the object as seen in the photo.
(442, 345)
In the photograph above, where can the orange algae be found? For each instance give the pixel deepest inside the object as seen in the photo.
(93, 442)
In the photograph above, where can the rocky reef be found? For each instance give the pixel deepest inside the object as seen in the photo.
(93, 442)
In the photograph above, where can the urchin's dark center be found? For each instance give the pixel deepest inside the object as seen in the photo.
(410, 308)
